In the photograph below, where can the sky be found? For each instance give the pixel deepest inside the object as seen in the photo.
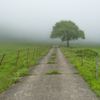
(34, 19)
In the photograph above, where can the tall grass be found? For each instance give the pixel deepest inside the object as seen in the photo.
(88, 70)
(8, 73)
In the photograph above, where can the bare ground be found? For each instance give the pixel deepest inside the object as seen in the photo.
(65, 86)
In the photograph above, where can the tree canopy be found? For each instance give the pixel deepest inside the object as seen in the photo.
(67, 31)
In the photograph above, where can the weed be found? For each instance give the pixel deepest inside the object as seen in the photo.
(53, 57)
(22, 72)
(54, 53)
(52, 72)
(76, 73)
(51, 62)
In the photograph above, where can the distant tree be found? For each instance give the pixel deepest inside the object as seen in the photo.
(67, 31)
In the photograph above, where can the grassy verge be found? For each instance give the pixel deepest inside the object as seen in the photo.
(8, 73)
(88, 70)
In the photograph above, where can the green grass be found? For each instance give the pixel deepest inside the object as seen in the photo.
(76, 73)
(52, 72)
(51, 62)
(53, 57)
(22, 72)
(88, 70)
(53, 54)
(8, 73)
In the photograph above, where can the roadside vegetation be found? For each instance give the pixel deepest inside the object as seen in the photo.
(28, 56)
(88, 69)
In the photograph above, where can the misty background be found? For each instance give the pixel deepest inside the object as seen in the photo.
(32, 20)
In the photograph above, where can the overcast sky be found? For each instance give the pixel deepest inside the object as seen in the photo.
(35, 18)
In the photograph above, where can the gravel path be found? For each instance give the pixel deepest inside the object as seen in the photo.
(65, 86)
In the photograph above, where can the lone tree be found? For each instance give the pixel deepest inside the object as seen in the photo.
(67, 31)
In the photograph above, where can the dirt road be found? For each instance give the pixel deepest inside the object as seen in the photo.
(65, 86)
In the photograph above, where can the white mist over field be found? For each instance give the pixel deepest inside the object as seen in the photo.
(34, 19)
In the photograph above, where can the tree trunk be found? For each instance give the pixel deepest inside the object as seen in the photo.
(67, 43)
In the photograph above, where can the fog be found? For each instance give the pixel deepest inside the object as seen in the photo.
(33, 19)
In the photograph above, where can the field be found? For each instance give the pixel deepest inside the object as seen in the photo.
(10, 71)
(15, 65)
(84, 59)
